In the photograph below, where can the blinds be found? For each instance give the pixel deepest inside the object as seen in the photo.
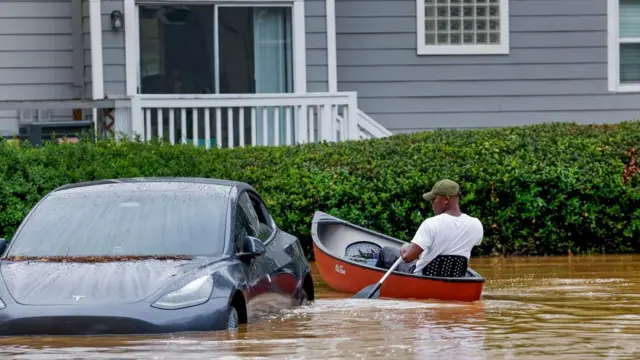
(630, 18)
(629, 52)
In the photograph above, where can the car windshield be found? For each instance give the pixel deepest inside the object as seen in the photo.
(125, 223)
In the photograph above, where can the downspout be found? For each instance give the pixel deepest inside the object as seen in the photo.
(332, 66)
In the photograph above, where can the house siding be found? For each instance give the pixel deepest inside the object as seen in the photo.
(316, 40)
(556, 69)
(113, 44)
(37, 58)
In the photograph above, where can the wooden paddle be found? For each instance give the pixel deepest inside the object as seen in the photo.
(372, 291)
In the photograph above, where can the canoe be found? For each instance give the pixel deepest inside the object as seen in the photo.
(334, 241)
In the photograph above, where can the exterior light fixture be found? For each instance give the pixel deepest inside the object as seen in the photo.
(117, 21)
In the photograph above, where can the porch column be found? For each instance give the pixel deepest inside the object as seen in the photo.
(97, 75)
(332, 63)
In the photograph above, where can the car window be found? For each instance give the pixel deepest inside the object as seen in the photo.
(242, 228)
(263, 218)
(126, 222)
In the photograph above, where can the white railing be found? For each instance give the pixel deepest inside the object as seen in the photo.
(369, 128)
(225, 121)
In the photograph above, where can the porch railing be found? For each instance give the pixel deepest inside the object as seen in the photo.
(208, 120)
(225, 121)
(369, 128)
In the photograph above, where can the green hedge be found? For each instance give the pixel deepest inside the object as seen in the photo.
(544, 189)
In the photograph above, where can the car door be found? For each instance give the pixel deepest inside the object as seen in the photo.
(257, 278)
(283, 274)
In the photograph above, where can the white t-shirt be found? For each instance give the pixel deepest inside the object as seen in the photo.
(446, 234)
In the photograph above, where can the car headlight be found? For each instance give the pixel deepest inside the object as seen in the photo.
(194, 293)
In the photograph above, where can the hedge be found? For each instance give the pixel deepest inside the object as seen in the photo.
(539, 190)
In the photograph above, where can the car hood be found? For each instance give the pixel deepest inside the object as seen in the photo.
(64, 283)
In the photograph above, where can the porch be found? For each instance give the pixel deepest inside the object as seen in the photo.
(226, 74)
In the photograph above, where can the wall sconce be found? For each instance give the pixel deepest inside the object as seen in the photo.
(117, 21)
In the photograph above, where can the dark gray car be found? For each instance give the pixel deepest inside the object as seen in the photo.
(149, 255)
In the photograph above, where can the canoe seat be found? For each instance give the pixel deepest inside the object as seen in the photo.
(447, 266)
(362, 250)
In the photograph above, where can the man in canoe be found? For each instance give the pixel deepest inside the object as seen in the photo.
(449, 232)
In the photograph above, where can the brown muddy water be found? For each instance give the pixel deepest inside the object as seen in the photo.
(532, 308)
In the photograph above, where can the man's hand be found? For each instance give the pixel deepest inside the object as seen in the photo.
(410, 252)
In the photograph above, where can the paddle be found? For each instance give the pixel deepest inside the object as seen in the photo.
(372, 290)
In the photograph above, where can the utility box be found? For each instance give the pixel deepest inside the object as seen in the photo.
(36, 133)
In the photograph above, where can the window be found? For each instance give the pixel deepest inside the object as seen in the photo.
(451, 27)
(624, 45)
(250, 220)
(242, 228)
(192, 49)
(263, 217)
(127, 223)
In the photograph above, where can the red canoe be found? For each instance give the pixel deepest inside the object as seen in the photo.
(335, 242)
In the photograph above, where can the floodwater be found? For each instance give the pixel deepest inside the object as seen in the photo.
(532, 308)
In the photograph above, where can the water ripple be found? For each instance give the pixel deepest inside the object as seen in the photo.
(532, 308)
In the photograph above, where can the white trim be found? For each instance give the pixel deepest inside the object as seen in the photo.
(131, 46)
(502, 48)
(332, 63)
(97, 70)
(299, 47)
(613, 50)
(132, 36)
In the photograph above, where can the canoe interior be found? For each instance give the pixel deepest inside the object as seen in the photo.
(336, 236)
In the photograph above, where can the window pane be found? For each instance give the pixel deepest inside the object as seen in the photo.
(459, 22)
(134, 222)
(629, 18)
(629, 63)
(253, 222)
(242, 229)
(176, 49)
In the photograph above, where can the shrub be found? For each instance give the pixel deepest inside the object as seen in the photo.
(539, 190)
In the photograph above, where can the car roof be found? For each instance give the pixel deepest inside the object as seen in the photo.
(152, 183)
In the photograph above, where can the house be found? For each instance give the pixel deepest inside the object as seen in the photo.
(238, 72)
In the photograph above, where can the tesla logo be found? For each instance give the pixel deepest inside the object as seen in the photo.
(78, 297)
(340, 269)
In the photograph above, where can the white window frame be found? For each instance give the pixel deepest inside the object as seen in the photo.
(613, 46)
(132, 36)
(502, 48)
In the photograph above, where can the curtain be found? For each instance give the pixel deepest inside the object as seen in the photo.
(273, 58)
(629, 52)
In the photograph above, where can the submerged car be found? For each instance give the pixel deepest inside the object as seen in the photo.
(149, 255)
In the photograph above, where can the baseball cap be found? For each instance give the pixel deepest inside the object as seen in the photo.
(444, 187)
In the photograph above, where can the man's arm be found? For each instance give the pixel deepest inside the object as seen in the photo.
(410, 252)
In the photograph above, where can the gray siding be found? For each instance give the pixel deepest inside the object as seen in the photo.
(114, 53)
(556, 69)
(316, 40)
(37, 60)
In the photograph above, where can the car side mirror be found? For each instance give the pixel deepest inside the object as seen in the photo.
(252, 247)
(3, 245)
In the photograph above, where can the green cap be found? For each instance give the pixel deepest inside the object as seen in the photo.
(444, 187)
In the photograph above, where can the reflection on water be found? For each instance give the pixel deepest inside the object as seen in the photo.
(555, 307)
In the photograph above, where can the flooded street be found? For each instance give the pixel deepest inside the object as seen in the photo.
(532, 308)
